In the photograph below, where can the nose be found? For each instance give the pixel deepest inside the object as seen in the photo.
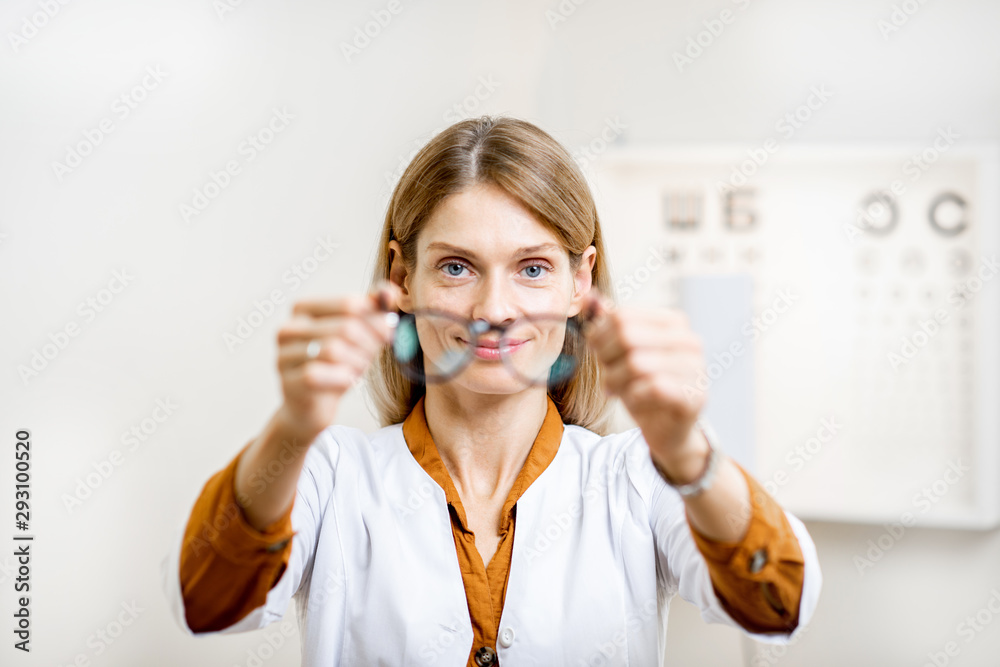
(494, 305)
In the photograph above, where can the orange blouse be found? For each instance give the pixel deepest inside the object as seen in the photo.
(227, 566)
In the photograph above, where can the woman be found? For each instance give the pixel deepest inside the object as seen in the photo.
(400, 547)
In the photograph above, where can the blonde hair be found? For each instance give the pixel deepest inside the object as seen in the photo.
(532, 167)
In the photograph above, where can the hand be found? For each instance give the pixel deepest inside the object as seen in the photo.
(651, 359)
(352, 330)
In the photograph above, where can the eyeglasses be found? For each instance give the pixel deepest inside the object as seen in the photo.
(433, 345)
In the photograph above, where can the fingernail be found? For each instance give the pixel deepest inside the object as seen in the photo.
(392, 319)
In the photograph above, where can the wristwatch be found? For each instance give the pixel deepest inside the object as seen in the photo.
(707, 475)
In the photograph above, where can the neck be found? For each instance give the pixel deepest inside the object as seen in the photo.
(484, 439)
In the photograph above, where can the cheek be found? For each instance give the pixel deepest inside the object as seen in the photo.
(559, 294)
(430, 289)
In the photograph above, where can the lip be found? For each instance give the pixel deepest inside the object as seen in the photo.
(489, 350)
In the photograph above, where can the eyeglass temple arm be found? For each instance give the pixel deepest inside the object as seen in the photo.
(587, 315)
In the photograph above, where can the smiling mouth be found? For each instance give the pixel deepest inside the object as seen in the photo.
(490, 349)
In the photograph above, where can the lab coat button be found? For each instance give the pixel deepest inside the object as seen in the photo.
(278, 546)
(757, 561)
(486, 657)
(506, 637)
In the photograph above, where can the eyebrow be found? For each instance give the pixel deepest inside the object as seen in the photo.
(529, 250)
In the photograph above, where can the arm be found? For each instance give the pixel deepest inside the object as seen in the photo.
(268, 470)
(722, 511)
(721, 578)
(237, 542)
(754, 560)
(652, 360)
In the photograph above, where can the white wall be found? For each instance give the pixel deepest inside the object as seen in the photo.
(161, 337)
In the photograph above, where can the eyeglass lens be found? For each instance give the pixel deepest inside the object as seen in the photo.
(433, 346)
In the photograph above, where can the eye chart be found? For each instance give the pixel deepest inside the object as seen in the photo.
(870, 336)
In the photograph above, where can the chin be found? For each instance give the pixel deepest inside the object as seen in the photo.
(499, 382)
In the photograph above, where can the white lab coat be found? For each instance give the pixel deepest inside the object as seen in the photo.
(601, 544)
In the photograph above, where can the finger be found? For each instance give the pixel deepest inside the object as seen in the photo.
(613, 349)
(303, 327)
(353, 332)
(682, 367)
(351, 304)
(628, 321)
(322, 377)
(659, 392)
(643, 336)
(380, 301)
(332, 350)
(387, 295)
(596, 308)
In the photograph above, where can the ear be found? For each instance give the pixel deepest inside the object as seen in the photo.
(399, 275)
(583, 280)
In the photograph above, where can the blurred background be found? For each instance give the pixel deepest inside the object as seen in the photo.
(176, 175)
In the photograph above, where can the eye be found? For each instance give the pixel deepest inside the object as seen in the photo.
(453, 269)
(535, 270)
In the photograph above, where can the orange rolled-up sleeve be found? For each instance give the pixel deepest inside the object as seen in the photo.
(226, 565)
(758, 579)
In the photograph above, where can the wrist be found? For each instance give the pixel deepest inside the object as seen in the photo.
(286, 427)
(692, 469)
(687, 464)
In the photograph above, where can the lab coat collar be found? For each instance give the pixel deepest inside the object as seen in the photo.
(543, 450)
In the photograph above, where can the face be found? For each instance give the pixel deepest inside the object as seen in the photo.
(482, 256)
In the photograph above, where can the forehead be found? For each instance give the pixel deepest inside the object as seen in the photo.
(487, 219)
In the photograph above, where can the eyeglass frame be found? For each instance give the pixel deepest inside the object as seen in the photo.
(474, 334)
